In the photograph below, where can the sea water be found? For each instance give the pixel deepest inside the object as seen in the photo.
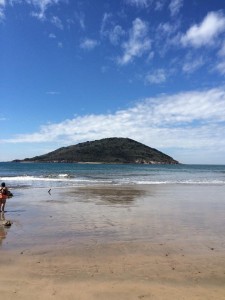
(91, 204)
(75, 174)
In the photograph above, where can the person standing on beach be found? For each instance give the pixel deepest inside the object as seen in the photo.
(3, 196)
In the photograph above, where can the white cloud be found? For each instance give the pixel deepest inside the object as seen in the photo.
(60, 44)
(191, 65)
(57, 22)
(52, 36)
(166, 36)
(206, 32)
(222, 50)
(167, 28)
(221, 67)
(116, 34)
(2, 15)
(138, 42)
(175, 6)
(143, 4)
(139, 3)
(110, 30)
(88, 44)
(192, 120)
(105, 21)
(80, 19)
(206, 107)
(158, 76)
(42, 6)
(2, 6)
(159, 5)
(150, 56)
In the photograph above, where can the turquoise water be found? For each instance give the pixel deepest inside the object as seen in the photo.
(55, 175)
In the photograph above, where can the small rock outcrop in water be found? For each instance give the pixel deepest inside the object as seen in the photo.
(109, 150)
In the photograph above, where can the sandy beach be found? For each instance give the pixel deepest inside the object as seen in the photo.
(114, 242)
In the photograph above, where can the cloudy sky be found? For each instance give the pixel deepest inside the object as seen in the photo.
(151, 70)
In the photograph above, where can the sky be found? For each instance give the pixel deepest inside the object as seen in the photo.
(150, 70)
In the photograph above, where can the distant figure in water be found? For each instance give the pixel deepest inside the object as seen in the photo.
(49, 191)
(3, 196)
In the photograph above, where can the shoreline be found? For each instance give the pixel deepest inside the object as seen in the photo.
(106, 242)
(94, 162)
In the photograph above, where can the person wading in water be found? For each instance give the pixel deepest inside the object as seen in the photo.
(3, 196)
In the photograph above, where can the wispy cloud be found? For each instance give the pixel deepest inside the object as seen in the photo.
(192, 64)
(104, 31)
(109, 29)
(41, 7)
(220, 66)
(159, 4)
(60, 45)
(52, 93)
(175, 6)
(167, 36)
(80, 18)
(115, 34)
(57, 22)
(204, 34)
(156, 77)
(222, 50)
(167, 28)
(52, 36)
(190, 120)
(139, 3)
(137, 44)
(2, 16)
(88, 44)
(2, 7)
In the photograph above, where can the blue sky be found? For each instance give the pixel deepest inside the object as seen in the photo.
(150, 70)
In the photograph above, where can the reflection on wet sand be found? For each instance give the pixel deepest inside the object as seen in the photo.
(115, 242)
(3, 230)
(108, 195)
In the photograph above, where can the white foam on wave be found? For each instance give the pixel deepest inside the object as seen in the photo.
(18, 178)
(152, 182)
(64, 175)
(33, 178)
(60, 178)
(65, 178)
(216, 182)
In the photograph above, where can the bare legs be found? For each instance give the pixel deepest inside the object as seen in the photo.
(2, 204)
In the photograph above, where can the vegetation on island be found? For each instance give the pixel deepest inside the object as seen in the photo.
(108, 150)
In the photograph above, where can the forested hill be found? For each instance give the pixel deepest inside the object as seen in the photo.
(108, 150)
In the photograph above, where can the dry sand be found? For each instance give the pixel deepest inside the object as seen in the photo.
(148, 242)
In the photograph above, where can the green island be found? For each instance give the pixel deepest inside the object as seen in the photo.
(108, 150)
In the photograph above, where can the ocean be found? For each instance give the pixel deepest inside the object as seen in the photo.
(18, 175)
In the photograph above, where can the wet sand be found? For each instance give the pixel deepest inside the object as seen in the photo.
(114, 242)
